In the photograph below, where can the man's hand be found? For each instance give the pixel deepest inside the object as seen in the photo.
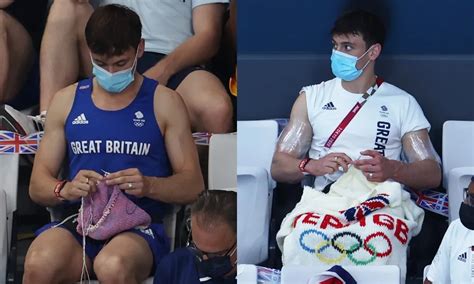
(158, 73)
(131, 181)
(377, 168)
(328, 164)
(82, 185)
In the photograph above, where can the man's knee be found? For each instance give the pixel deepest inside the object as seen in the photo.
(39, 265)
(113, 268)
(64, 11)
(219, 111)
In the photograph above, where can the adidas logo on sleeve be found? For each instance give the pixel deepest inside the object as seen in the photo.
(81, 119)
(329, 106)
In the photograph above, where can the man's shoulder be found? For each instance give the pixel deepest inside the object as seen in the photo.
(165, 95)
(177, 267)
(65, 96)
(392, 90)
(324, 85)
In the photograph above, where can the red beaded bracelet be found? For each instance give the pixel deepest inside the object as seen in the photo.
(57, 189)
(303, 164)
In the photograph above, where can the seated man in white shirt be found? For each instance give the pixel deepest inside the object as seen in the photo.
(453, 262)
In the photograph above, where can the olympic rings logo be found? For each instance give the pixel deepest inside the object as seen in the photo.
(355, 241)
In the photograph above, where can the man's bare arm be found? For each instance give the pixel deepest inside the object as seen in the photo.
(422, 169)
(293, 144)
(199, 48)
(186, 182)
(51, 153)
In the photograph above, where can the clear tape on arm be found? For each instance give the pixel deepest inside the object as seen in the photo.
(417, 147)
(295, 139)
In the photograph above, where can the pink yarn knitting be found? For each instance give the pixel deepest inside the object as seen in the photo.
(107, 212)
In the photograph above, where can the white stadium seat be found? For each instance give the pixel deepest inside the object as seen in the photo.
(222, 168)
(256, 142)
(8, 195)
(458, 161)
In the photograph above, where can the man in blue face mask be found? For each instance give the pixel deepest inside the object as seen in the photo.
(356, 119)
(118, 128)
(211, 256)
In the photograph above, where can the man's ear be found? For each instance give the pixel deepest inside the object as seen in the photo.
(375, 51)
(141, 48)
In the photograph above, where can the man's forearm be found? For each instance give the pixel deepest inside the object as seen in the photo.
(41, 190)
(285, 168)
(419, 175)
(197, 50)
(181, 188)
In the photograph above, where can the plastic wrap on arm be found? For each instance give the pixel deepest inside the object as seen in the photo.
(295, 139)
(417, 146)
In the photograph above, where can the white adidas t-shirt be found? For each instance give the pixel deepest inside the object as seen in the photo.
(380, 124)
(454, 262)
(166, 23)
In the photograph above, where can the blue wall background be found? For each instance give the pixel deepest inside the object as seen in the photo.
(429, 52)
(302, 26)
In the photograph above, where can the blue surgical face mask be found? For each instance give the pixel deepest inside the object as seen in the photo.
(343, 65)
(114, 82)
(215, 267)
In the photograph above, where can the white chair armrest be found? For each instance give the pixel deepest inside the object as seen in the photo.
(259, 172)
(247, 274)
(4, 248)
(254, 203)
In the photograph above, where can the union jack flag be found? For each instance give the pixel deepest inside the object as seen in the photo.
(365, 208)
(14, 143)
(202, 138)
(433, 201)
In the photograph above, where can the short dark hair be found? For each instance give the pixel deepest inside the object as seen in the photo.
(216, 205)
(361, 23)
(113, 29)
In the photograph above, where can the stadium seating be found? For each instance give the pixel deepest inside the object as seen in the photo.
(458, 161)
(255, 147)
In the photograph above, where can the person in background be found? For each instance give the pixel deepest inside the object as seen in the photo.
(211, 256)
(453, 263)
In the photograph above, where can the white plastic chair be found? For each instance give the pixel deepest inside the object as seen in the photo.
(9, 167)
(256, 142)
(222, 165)
(458, 161)
(246, 274)
(370, 274)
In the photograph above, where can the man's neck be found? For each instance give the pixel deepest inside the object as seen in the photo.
(361, 84)
(107, 101)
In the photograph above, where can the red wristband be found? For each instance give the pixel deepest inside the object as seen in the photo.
(303, 164)
(57, 189)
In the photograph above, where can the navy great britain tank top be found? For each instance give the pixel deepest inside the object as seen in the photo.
(111, 141)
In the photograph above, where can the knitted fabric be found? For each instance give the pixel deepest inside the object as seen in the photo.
(357, 223)
(107, 212)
